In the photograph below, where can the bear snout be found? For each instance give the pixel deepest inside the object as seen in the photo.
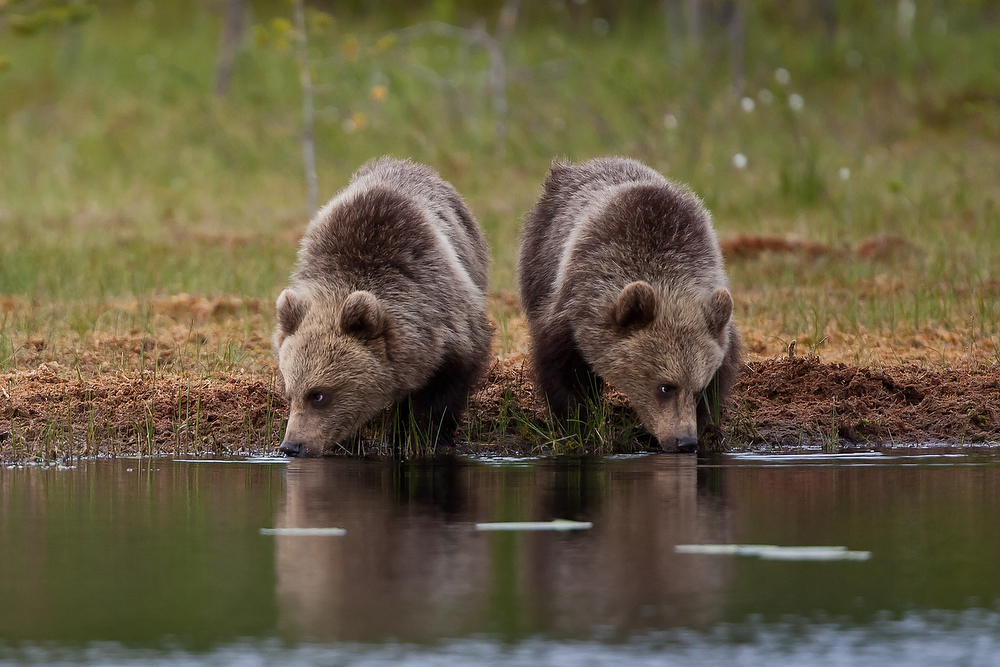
(681, 445)
(687, 445)
(290, 448)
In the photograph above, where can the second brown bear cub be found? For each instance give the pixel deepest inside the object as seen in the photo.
(387, 304)
(621, 279)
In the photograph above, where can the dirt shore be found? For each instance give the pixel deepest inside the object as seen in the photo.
(782, 403)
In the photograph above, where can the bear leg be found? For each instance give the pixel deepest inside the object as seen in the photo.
(717, 395)
(561, 373)
(439, 404)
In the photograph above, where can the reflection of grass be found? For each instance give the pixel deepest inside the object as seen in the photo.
(396, 432)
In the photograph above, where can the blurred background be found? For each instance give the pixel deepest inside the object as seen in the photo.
(155, 168)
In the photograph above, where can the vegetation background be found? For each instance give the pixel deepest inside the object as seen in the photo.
(152, 188)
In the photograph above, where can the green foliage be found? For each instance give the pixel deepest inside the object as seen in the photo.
(27, 17)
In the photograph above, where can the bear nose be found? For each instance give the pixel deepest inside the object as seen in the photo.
(290, 449)
(687, 445)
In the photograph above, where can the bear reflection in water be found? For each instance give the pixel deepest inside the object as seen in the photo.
(413, 567)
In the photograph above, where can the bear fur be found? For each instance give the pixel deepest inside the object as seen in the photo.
(387, 305)
(621, 279)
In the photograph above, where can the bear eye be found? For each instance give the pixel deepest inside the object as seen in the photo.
(665, 391)
(318, 399)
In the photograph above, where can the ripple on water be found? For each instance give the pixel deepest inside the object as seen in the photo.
(970, 638)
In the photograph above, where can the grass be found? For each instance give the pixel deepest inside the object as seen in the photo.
(147, 226)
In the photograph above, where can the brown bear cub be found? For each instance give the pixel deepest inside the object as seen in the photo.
(387, 305)
(621, 279)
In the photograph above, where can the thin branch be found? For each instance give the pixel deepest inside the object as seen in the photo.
(439, 29)
(498, 83)
(498, 70)
(692, 11)
(507, 20)
(737, 45)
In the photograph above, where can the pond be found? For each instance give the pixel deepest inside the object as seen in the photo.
(140, 561)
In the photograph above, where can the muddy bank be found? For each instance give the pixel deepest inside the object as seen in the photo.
(787, 401)
(783, 403)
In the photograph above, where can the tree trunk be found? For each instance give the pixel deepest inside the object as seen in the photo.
(692, 11)
(507, 20)
(305, 77)
(229, 42)
(737, 45)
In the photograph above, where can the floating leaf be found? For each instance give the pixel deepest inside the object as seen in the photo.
(304, 532)
(773, 552)
(518, 526)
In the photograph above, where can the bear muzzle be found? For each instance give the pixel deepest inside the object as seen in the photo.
(291, 448)
(680, 444)
(306, 435)
(687, 445)
(678, 434)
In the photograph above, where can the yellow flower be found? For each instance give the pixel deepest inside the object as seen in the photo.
(359, 120)
(350, 48)
(319, 21)
(385, 42)
(282, 26)
(379, 93)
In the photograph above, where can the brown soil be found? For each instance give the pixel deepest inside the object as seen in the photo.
(52, 416)
(878, 247)
(784, 403)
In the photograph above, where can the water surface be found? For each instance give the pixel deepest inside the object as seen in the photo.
(164, 562)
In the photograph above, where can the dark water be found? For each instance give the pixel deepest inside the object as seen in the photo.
(162, 562)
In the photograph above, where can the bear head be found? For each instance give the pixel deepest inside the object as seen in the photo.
(333, 367)
(662, 350)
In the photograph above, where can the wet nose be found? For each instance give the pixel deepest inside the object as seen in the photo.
(687, 445)
(290, 449)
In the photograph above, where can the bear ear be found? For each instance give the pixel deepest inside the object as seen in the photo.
(718, 312)
(362, 316)
(635, 307)
(290, 310)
